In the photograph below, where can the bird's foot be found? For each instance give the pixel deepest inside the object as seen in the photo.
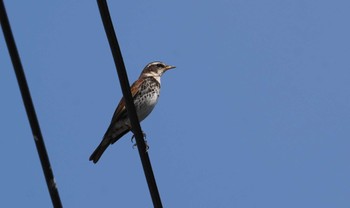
(133, 137)
(144, 138)
(147, 147)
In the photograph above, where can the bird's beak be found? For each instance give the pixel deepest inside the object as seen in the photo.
(169, 67)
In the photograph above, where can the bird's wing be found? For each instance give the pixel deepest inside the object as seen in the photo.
(120, 112)
(112, 134)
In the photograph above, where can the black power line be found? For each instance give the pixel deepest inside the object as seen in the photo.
(28, 103)
(124, 83)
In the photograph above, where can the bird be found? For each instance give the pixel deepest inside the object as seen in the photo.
(145, 92)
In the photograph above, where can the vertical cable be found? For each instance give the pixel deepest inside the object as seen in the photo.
(124, 83)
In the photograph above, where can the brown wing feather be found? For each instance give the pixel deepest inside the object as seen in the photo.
(120, 112)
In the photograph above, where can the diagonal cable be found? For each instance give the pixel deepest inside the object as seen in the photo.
(28, 103)
(124, 83)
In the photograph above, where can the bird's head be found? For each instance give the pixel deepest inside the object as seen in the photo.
(155, 69)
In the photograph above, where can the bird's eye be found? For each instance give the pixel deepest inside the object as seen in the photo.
(159, 65)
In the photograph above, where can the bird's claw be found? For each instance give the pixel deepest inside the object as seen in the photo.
(144, 138)
(147, 147)
(133, 137)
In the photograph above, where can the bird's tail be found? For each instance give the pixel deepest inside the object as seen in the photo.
(95, 156)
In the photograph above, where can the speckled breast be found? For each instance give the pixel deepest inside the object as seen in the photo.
(147, 97)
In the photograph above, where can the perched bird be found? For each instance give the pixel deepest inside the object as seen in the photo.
(145, 92)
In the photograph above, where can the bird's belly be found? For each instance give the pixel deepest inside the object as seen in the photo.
(145, 104)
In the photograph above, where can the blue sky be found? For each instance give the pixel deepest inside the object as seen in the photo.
(256, 114)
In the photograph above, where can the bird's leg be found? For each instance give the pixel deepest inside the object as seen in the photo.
(144, 138)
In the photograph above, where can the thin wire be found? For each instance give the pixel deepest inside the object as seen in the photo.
(124, 83)
(28, 103)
